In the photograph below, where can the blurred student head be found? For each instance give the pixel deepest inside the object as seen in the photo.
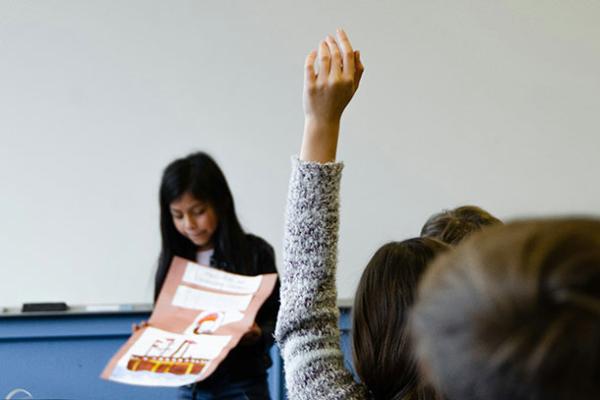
(514, 313)
(452, 226)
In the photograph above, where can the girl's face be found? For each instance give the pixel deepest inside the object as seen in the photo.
(195, 219)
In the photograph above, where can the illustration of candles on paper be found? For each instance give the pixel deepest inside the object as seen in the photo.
(159, 359)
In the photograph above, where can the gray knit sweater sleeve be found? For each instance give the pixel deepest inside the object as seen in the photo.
(307, 325)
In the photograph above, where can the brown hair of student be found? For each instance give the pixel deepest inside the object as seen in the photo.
(514, 313)
(382, 353)
(452, 226)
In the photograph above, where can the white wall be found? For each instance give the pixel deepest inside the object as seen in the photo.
(494, 103)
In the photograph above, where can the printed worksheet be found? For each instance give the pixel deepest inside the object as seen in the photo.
(200, 315)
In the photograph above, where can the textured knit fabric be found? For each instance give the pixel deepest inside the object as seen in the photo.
(307, 324)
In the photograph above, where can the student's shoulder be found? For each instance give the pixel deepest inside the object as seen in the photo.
(262, 254)
(256, 243)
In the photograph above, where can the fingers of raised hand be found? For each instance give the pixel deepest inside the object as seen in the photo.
(324, 62)
(336, 57)
(347, 53)
(309, 67)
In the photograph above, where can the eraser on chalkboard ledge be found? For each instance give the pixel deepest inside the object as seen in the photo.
(43, 307)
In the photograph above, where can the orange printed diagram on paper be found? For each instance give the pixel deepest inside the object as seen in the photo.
(175, 362)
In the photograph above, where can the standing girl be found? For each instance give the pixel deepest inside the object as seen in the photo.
(198, 222)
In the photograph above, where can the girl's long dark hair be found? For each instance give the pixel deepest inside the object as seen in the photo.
(382, 352)
(199, 175)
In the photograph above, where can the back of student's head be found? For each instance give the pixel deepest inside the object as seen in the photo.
(452, 226)
(383, 358)
(514, 313)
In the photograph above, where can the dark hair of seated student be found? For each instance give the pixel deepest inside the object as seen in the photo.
(452, 226)
(514, 313)
(382, 351)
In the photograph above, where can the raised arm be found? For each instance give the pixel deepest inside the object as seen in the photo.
(307, 325)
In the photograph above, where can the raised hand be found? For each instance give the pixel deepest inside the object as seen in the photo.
(327, 92)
